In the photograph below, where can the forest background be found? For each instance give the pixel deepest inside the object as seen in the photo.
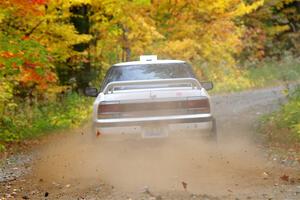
(50, 50)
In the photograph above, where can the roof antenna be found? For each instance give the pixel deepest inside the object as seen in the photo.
(147, 58)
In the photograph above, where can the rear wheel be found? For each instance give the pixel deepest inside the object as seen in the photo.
(213, 132)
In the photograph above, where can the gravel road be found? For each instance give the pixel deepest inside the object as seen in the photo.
(73, 166)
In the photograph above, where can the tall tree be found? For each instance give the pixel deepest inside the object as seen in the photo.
(272, 29)
(205, 32)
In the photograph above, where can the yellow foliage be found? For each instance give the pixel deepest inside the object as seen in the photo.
(2, 16)
(280, 4)
(274, 30)
(202, 31)
(80, 2)
(6, 94)
(122, 25)
(233, 82)
(186, 49)
(243, 9)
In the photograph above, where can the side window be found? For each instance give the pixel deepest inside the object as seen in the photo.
(191, 71)
(106, 79)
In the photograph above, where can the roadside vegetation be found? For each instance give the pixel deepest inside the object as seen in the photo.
(51, 50)
(25, 121)
(281, 129)
(266, 73)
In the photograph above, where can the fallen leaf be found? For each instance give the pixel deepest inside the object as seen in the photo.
(285, 177)
(184, 184)
(98, 133)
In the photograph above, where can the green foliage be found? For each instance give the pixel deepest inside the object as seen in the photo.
(24, 61)
(28, 121)
(260, 74)
(272, 71)
(283, 126)
(289, 116)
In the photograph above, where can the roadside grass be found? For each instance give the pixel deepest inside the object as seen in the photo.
(32, 121)
(264, 74)
(281, 129)
(275, 72)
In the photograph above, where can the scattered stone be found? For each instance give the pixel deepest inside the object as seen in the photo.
(292, 181)
(34, 192)
(56, 184)
(158, 198)
(98, 189)
(145, 190)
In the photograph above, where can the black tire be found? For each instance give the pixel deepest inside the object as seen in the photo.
(213, 132)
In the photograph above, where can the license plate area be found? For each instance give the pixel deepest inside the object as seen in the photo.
(159, 131)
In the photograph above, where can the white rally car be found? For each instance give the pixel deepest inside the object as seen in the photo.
(152, 98)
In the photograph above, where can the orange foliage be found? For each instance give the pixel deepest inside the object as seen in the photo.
(29, 76)
(7, 54)
(30, 73)
(24, 7)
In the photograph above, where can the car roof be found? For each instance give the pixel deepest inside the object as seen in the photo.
(149, 62)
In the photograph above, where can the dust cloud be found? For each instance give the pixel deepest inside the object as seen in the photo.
(133, 164)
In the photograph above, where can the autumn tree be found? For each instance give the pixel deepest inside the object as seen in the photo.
(205, 32)
(272, 29)
(24, 65)
(122, 29)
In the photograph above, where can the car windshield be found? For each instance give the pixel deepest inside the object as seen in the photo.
(148, 72)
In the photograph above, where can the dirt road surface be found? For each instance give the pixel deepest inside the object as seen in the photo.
(75, 166)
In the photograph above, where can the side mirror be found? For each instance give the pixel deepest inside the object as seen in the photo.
(91, 92)
(208, 85)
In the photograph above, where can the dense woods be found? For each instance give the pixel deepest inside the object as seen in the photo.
(51, 50)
